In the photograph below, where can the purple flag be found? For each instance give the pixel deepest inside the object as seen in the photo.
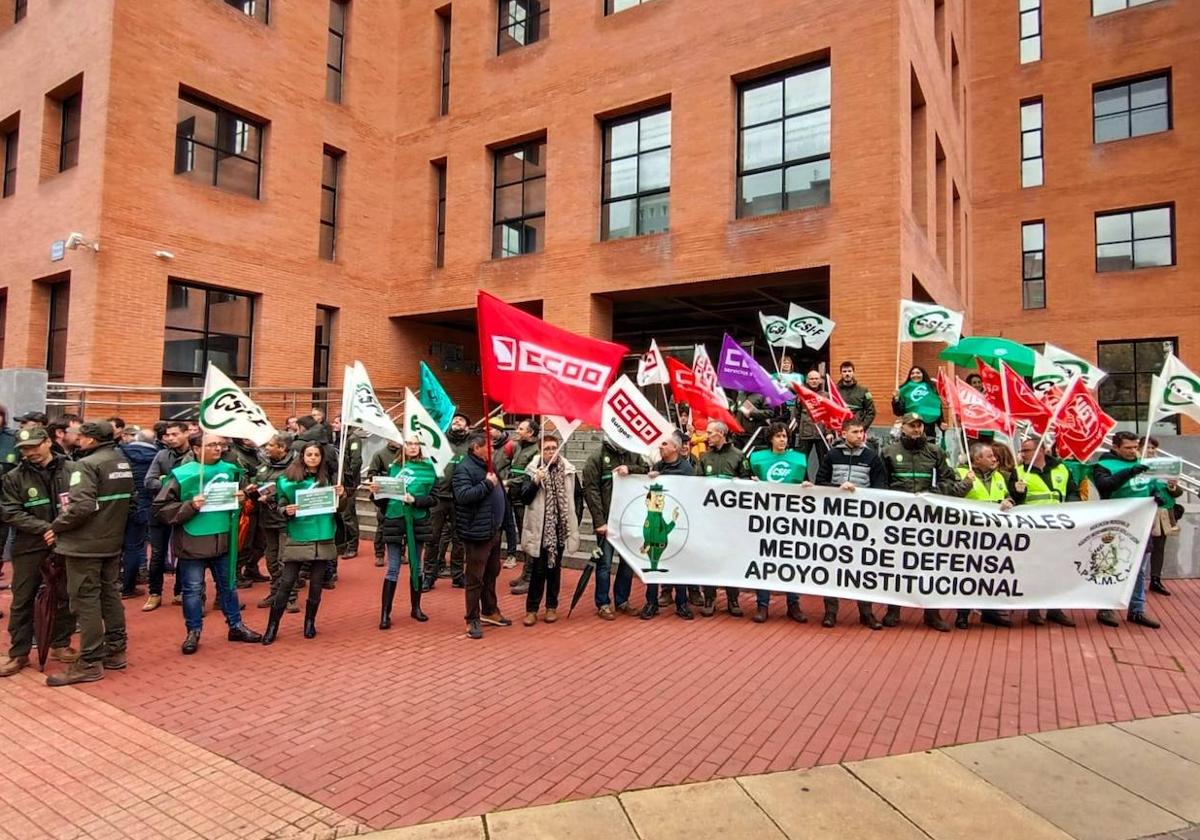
(737, 369)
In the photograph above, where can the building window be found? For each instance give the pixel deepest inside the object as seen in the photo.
(637, 175)
(522, 22)
(322, 344)
(56, 338)
(1033, 265)
(11, 140)
(1125, 393)
(519, 201)
(3, 323)
(257, 9)
(20, 7)
(439, 256)
(1031, 143)
(218, 147)
(68, 148)
(1030, 12)
(783, 142)
(335, 50)
(1131, 109)
(444, 101)
(1103, 7)
(1142, 238)
(206, 325)
(331, 167)
(611, 7)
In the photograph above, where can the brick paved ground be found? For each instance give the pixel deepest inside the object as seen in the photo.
(420, 723)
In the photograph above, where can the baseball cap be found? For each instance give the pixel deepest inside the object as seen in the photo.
(911, 417)
(34, 417)
(97, 430)
(31, 437)
(496, 423)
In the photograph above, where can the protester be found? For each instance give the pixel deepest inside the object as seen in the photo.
(502, 450)
(720, 460)
(523, 450)
(9, 457)
(443, 530)
(672, 461)
(405, 526)
(811, 437)
(307, 539)
(608, 461)
(919, 396)
(995, 485)
(352, 468)
(778, 465)
(64, 432)
(277, 457)
(550, 530)
(380, 463)
(856, 397)
(1165, 494)
(29, 503)
(140, 452)
(88, 533)
(1047, 481)
(478, 515)
(201, 538)
(175, 452)
(849, 465)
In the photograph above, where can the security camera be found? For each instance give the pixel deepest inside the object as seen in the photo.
(164, 255)
(76, 239)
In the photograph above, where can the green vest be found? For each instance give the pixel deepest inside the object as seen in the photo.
(995, 491)
(418, 478)
(188, 476)
(791, 467)
(1037, 492)
(1138, 487)
(922, 398)
(303, 528)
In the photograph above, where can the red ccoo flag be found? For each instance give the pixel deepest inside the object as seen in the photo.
(535, 368)
(704, 408)
(823, 411)
(1081, 425)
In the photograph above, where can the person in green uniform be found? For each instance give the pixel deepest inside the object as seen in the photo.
(380, 463)
(277, 457)
(656, 530)
(919, 396)
(1045, 481)
(721, 459)
(991, 484)
(406, 526)
(307, 539)
(778, 465)
(1165, 494)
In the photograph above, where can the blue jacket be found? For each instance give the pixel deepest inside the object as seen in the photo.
(140, 455)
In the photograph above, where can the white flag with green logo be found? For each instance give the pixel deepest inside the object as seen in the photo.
(775, 328)
(807, 328)
(226, 410)
(929, 322)
(418, 421)
(1174, 391)
(360, 406)
(1055, 366)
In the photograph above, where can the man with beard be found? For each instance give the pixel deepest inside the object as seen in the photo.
(524, 448)
(175, 451)
(857, 398)
(442, 530)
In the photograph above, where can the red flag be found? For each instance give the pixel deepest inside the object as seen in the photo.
(993, 387)
(1081, 424)
(974, 411)
(835, 396)
(1024, 402)
(704, 408)
(823, 411)
(535, 368)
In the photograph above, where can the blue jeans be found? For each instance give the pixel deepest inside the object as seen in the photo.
(133, 554)
(1137, 601)
(191, 573)
(160, 540)
(762, 598)
(624, 582)
(395, 557)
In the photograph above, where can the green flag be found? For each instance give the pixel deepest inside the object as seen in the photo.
(435, 399)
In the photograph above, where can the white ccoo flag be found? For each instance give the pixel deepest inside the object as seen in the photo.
(652, 368)
(706, 375)
(226, 410)
(630, 421)
(418, 421)
(360, 406)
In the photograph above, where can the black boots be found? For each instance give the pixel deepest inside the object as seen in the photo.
(866, 616)
(385, 612)
(272, 630)
(891, 616)
(191, 643)
(933, 619)
(830, 618)
(310, 619)
(414, 594)
(1156, 586)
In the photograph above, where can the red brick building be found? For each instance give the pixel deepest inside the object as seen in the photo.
(283, 187)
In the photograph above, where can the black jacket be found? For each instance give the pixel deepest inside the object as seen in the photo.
(862, 468)
(474, 503)
(141, 455)
(393, 527)
(101, 491)
(598, 478)
(681, 467)
(165, 461)
(29, 498)
(269, 514)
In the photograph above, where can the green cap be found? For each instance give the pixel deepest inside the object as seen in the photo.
(31, 437)
(911, 417)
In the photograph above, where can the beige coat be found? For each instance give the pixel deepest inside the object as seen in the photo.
(535, 512)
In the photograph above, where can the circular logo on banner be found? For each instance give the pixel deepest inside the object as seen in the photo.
(657, 526)
(779, 471)
(1181, 390)
(930, 323)
(1108, 555)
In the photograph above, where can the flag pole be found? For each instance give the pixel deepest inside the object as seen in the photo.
(1156, 384)
(1008, 410)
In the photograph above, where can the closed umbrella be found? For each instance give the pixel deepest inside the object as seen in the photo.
(45, 606)
(993, 351)
(581, 587)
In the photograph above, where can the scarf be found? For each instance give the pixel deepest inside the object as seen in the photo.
(554, 525)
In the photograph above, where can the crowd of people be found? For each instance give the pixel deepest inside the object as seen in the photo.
(115, 507)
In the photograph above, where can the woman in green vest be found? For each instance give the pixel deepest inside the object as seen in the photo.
(406, 525)
(308, 538)
(919, 396)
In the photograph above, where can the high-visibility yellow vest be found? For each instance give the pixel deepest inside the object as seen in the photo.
(1037, 492)
(995, 491)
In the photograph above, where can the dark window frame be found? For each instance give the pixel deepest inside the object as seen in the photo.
(1134, 239)
(70, 129)
(336, 71)
(444, 100)
(1106, 87)
(336, 156)
(1023, 9)
(785, 164)
(439, 252)
(524, 181)
(323, 345)
(1029, 280)
(1126, 7)
(1141, 408)
(610, 7)
(536, 17)
(1041, 132)
(637, 196)
(206, 334)
(60, 299)
(225, 118)
(20, 7)
(252, 6)
(12, 141)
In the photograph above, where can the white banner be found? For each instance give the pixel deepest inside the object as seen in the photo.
(630, 421)
(879, 545)
(929, 322)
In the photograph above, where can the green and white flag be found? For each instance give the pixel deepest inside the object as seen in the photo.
(226, 410)
(929, 322)
(417, 421)
(1055, 366)
(1174, 391)
(801, 328)
(360, 406)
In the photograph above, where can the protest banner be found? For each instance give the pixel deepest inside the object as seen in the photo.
(316, 500)
(879, 545)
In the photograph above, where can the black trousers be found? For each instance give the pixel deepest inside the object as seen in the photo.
(545, 576)
(316, 577)
(1158, 553)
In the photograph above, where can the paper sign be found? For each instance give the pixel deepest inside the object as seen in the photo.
(316, 501)
(1168, 468)
(390, 487)
(219, 496)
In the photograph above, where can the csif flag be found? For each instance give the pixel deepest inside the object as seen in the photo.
(704, 405)
(929, 322)
(1055, 366)
(226, 410)
(807, 329)
(435, 399)
(1174, 391)
(737, 369)
(532, 367)
(652, 369)
(360, 406)
(418, 421)
(1081, 426)
(823, 411)
(630, 421)
(975, 412)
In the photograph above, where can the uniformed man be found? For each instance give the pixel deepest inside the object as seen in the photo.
(89, 533)
(347, 521)
(245, 454)
(857, 398)
(1046, 481)
(380, 464)
(778, 465)
(673, 460)
(29, 501)
(915, 465)
(811, 437)
(443, 533)
(721, 459)
(598, 472)
(277, 457)
(525, 447)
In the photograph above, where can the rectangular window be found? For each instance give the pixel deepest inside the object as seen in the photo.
(783, 141)
(1033, 265)
(439, 256)
(1125, 392)
(335, 50)
(68, 147)
(322, 345)
(1103, 7)
(1031, 143)
(1141, 238)
(215, 146)
(11, 140)
(519, 199)
(444, 101)
(206, 325)
(636, 175)
(522, 22)
(331, 166)
(257, 9)
(20, 7)
(1030, 12)
(1131, 109)
(56, 337)
(3, 324)
(611, 7)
